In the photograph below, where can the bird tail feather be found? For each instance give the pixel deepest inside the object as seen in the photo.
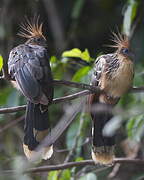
(36, 129)
(103, 146)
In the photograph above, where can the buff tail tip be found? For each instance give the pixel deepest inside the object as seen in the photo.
(45, 153)
(103, 155)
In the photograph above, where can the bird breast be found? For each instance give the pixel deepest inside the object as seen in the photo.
(117, 83)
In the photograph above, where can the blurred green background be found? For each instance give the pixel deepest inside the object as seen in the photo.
(86, 25)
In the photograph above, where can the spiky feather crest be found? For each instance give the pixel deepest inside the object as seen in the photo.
(31, 28)
(120, 40)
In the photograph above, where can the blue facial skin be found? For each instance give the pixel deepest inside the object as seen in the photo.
(126, 52)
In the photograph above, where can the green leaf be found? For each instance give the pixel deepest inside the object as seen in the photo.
(135, 127)
(58, 72)
(53, 59)
(53, 175)
(85, 55)
(1, 62)
(72, 53)
(77, 53)
(79, 159)
(81, 73)
(130, 125)
(66, 175)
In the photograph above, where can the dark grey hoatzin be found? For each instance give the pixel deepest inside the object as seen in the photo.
(113, 73)
(29, 68)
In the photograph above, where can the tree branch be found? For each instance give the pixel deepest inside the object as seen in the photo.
(12, 109)
(84, 86)
(88, 90)
(69, 97)
(77, 85)
(75, 164)
(137, 89)
(91, 88)
(55, 101)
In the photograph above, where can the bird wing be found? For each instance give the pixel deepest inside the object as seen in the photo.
(29, 66)
(102, 65)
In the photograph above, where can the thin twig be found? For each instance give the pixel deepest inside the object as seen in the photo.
(56, 100)
(12, 109)
(137, 89)
(75, 164)
(84, 86)
(88, 90)
(77, 85)
(69, 83)
(91, 88)
(59, 100)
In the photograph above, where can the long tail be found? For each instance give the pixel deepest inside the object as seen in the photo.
(103, 146)
(36, 128)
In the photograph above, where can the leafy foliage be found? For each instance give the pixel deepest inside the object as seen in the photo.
(77, 53)
(1, 62)
(135, 127)
(81, 73)
(85, 29)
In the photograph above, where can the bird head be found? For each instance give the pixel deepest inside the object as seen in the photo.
(122, 45)
(32, 30)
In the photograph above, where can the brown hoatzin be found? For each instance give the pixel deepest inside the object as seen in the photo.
(113, 74)
(30, 71)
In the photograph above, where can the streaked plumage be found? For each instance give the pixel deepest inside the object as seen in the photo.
(113, 73)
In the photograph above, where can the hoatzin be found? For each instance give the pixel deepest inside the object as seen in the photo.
(29, 68)
(113, 74)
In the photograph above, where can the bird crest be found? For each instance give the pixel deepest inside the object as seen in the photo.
(120, 40)
(31, 28)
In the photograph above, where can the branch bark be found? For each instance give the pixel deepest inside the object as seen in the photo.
(55, 101)
(78, 85)
(91, 88)
(88, 89)
(84, 86)
(75, 164)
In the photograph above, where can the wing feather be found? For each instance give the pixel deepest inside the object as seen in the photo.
(101, 66)
(29, 66)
